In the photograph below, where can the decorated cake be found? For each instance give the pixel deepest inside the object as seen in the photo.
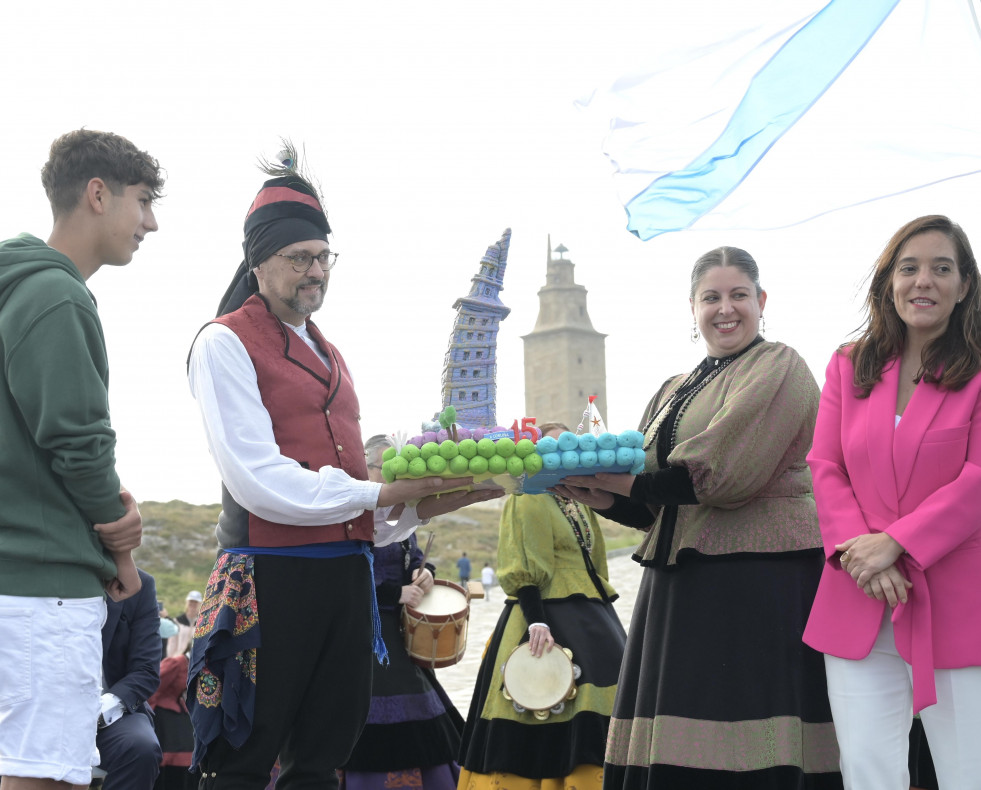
(520, 460)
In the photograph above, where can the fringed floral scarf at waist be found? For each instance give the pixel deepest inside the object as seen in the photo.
(222, 674)
(221, 678)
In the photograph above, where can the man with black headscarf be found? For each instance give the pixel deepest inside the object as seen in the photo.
(281, 417)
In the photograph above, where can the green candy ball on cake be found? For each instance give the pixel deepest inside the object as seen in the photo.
(459, 465)
(478, 465)
(486, 448)
(417, 467)
(524, 448)
(436, 464)
(533, 463)
(497, 465)
(448, 449)
(468, 448)
(505, 447)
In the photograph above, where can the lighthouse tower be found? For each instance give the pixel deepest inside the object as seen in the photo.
(565, 358)
(470, 365)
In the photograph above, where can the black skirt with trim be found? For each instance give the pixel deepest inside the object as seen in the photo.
(717, 689)
(411, 721)
(516, 743)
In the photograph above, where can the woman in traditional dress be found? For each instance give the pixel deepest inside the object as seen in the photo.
(551, 561)
(897, 478)
(413, 731)
(717, 689)
(173, 726)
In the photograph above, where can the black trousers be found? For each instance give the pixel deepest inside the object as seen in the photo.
(313, 675)
(130, 753)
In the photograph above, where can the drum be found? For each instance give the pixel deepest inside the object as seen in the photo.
(436, 630)
(540, 685)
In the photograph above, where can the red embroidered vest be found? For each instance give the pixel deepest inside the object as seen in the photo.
(314, 417)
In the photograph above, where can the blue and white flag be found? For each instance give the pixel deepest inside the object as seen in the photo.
(759, 119)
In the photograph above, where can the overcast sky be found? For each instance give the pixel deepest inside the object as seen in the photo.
(432, 126)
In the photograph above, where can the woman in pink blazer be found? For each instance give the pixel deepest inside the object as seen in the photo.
(896, 462)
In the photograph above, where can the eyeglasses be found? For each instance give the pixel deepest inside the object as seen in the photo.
(303, 261)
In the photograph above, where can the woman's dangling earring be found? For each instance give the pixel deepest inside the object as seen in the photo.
(762, 324)
(694, 332)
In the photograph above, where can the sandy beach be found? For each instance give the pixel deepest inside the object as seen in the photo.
(459, 679)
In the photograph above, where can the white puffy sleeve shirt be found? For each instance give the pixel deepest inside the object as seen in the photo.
(257, 475)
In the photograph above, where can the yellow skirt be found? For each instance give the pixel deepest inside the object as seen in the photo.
(584, 777)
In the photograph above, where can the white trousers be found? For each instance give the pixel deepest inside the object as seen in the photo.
(872, 705)
(50, 682)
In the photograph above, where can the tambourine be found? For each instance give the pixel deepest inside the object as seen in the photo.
(540, 685)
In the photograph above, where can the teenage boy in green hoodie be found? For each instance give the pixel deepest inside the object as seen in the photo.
(66, 525)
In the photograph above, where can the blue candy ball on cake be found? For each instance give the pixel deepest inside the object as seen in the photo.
(607, 441)
(568, 441)
(630, 439)
(551, 461)
(606, 458)
(640, 460)
(546, 445)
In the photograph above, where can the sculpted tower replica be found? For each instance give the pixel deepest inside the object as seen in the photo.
(565, 358)
(470, 365)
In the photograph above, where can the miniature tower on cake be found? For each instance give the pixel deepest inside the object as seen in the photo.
(565, 358)
(470, 365)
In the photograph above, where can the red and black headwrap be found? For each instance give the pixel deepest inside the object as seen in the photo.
(286, 210)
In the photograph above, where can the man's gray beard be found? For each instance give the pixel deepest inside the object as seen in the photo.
(294, 304)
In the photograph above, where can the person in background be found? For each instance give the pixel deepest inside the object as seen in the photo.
(128, 747)
(173, 726)
(413, 731)
(185, 621)
(68, 526)
(551, 560)
(168, 628)
(487, 579)
(897, 475)
(717, 690)
(463, 568)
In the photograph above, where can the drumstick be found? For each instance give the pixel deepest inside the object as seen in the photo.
(429, 545)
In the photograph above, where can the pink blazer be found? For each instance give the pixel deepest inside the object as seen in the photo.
(920, 482)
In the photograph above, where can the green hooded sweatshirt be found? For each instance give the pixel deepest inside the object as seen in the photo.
(57, 449)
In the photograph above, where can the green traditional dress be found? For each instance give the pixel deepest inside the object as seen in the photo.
(540, 559)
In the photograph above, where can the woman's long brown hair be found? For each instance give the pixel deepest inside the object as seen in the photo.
(950, 360)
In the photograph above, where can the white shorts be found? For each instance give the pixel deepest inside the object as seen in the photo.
(50, 683)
